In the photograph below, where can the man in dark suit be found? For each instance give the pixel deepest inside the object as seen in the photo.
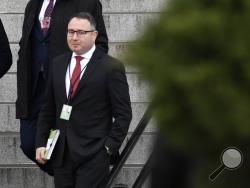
(87, 99)
(43, 38)
(5, 53)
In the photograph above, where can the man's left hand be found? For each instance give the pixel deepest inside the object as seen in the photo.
(40, 152)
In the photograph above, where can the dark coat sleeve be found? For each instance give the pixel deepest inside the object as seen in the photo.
(121, 107)
(47, 116)
(5, 53)
(102, 38)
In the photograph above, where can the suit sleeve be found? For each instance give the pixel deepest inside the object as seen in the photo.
(5, 53)
(47, 116)
(121, 107)
(102, 38)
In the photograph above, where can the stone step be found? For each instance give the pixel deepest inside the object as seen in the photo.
(10, 152)
(116, 29)
(9, 124)
(138, 89)
(33, 177)
(15, 6)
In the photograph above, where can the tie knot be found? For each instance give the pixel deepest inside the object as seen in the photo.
(78, 58)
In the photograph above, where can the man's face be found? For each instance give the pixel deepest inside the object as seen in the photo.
(80, 40)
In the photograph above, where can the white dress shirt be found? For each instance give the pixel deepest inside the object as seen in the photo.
(86, 57)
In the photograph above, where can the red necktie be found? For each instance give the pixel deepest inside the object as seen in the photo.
(75, 79)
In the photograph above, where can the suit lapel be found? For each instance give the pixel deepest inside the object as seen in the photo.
(62, 70)
(92, 64)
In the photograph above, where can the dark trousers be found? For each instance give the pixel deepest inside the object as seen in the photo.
(27, 134)
(28, 126)
(90, 174)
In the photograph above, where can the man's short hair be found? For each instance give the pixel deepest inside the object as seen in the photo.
(85, 16)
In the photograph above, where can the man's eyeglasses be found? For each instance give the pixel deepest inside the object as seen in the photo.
(79, 33)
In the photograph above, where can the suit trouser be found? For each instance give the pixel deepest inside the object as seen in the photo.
(90, 174)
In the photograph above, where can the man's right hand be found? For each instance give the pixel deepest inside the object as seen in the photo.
(40, 152)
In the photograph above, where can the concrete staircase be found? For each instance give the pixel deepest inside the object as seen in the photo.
(124, 21)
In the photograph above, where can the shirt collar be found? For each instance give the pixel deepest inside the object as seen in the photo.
(88, 54)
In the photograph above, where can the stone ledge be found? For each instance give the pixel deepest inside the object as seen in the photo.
(10, 152)
(9, 124)
(139, 90)
(33, 177)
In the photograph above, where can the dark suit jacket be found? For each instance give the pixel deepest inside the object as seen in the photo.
(5, 53)
(102, 95)
(62, 11)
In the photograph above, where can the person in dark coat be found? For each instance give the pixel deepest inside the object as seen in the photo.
(5, 53)
(87, 99)
(43, 38)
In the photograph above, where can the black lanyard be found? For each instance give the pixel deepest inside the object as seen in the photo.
(71, 85)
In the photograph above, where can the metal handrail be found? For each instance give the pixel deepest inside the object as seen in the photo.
(129, 147)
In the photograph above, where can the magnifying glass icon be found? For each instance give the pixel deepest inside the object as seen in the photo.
(231, 159)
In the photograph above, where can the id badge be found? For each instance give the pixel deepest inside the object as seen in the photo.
(66, 112)
(45, 22)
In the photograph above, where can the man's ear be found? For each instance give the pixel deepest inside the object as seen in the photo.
(95, 34)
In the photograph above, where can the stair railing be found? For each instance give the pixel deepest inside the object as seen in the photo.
(129, 147)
